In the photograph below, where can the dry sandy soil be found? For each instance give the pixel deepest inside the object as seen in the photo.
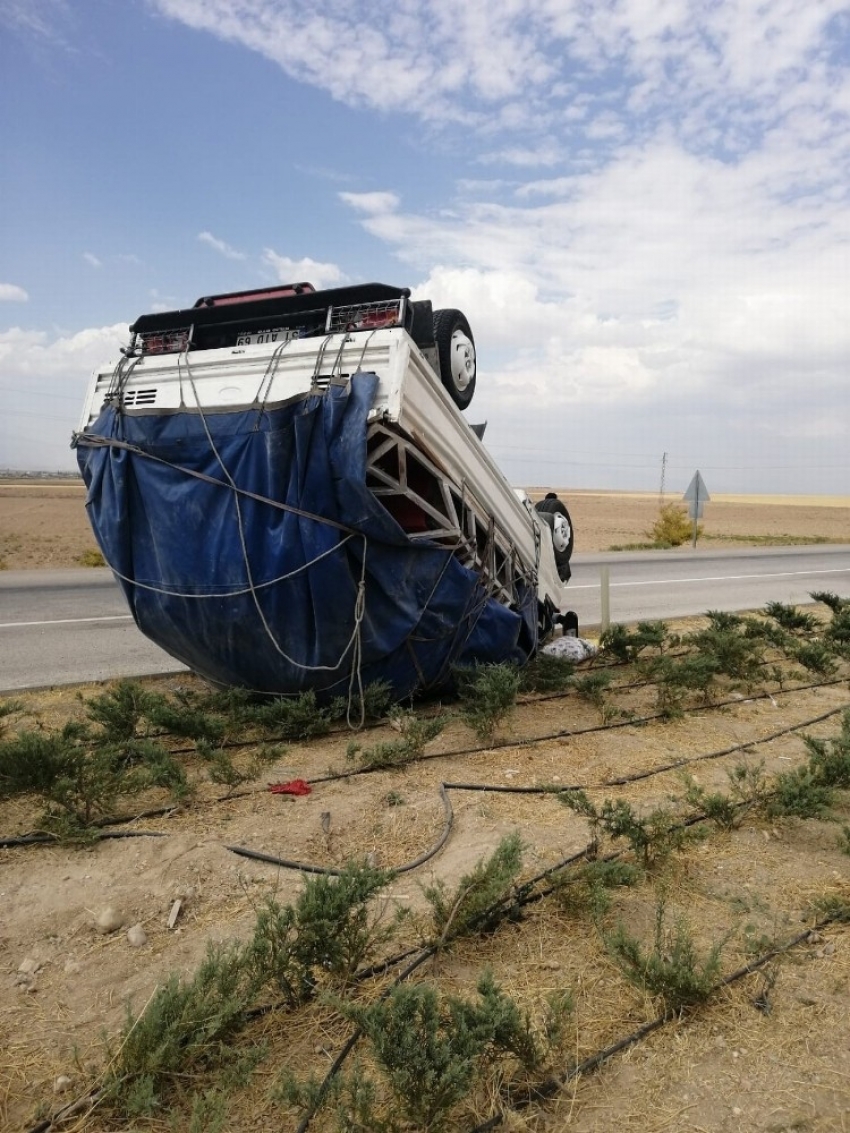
(43, 523)
(771, 1052)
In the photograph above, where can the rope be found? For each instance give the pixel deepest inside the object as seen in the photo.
(93, 440)
(228, 593)
(359, 605)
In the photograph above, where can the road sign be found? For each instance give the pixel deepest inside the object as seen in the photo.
(696, 497)
(697, 491)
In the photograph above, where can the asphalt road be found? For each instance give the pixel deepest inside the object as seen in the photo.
(72, 626)
(673, 584)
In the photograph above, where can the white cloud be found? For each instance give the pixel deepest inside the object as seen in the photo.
(526, 64)
(11, 293)
(38, 18)
(43, 380)
(92, 260)
(39, 356)
(544, 154)
(371, 202)
(665, 276)
(304, 270)
(220, 246)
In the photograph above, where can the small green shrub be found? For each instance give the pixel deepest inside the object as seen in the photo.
(830, 759)
(91, 558)
(32, 761)
(416, 732)
(546, 674)
(716, 806)
(833, 601)
(767, 631)
(626, 645)
(652, 837)
(208, 1113)
(672, 969)
(472, 907)
(749, 784)
(433, 1048)
(488, 694)
(291, 718)
(80, 774)
(816, 657)
(120, 711)
(181, 720)
(730, 651)
(430, 1051)
(790, 618)
(587, 890)
(675, 677)
(349, 1099)
(832, 907)
(673, 527)
(837, 633)
(327, 934)
(594, 688)
(186, 1027)
(377, 700)
(800, 793)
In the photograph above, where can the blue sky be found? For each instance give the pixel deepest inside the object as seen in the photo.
(641, 206)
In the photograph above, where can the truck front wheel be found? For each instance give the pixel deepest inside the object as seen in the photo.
(555, 515)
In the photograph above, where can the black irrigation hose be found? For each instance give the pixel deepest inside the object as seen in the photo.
(54, 840)
(553, 1085)
(623, 779)
(45, 839)
(285, 863)
(566, 733)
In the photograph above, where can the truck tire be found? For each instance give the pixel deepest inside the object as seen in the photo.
(555, 515)
(456, 352)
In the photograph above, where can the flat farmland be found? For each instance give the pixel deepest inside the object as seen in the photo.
(43, 522)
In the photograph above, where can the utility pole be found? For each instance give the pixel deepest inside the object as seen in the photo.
(663, 476)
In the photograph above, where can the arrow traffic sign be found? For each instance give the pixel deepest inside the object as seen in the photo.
(696, 497)
(697, 491)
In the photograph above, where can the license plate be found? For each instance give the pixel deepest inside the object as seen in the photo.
(263, 337)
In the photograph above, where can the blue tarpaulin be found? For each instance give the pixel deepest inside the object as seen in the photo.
(250, 548)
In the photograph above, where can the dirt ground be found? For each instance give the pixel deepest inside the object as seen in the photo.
(43, 523)
(733, 1065)
(769, 1053)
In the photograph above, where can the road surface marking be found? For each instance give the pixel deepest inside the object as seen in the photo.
(716, 578)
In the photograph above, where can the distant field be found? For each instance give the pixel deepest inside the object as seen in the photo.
(720, 497)
(43, 522)
(606, 519)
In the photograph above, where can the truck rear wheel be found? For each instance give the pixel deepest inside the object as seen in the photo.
(456, 351)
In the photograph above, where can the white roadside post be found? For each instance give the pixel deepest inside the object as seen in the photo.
(604, 599)
(696, 497)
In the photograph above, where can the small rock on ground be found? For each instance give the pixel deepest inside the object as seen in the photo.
(136, 936)
(109, 920)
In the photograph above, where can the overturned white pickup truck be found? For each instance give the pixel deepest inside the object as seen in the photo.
(285, 487)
